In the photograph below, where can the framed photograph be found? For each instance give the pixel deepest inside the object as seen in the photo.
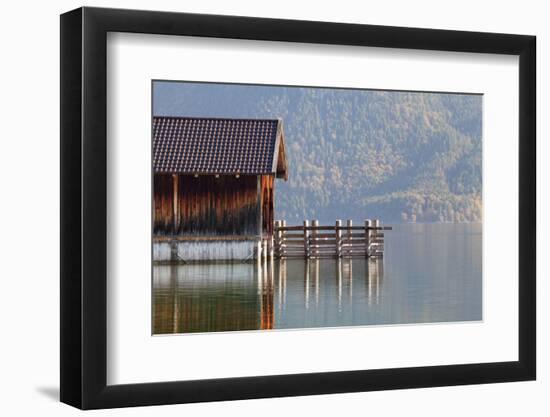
(256, 208)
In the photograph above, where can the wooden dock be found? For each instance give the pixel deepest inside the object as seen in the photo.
(335, 241)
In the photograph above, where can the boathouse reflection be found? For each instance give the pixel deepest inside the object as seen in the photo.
(194, 298)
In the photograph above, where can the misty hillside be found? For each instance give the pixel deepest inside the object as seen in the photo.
(396, 156)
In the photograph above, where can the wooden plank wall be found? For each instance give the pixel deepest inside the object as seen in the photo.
(208, 206)
(163, 204)
(267, 188)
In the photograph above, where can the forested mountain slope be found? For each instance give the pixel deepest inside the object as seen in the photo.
(397, 156)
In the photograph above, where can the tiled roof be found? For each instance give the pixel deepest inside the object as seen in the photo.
(216, 146)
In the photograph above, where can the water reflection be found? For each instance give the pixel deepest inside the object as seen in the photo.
(430, 273)
(253, 296)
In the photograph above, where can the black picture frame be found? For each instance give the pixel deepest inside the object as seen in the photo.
(84, 207)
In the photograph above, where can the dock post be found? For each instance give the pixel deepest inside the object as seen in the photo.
(264, 249)
(306, 238)
(282, 240)
(306, 283)
(338, 235)
(368, 225)
(174, 250)
(349, 224)
(314, 250)
(339, 281)
(376, 224)
(276, 242)
(175, 203)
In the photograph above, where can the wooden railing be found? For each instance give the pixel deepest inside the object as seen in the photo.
(314, 241)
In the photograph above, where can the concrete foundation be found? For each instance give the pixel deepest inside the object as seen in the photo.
(195, 251)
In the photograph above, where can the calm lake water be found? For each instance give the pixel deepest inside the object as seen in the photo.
(429, 273)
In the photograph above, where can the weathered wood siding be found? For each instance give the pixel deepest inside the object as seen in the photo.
(210, 206)
(163, 218)
(267, 204)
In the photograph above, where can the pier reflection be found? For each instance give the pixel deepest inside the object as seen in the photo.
(278, 294)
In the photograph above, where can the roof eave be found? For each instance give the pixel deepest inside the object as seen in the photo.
(280, 152)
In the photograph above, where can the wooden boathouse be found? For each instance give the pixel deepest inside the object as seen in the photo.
(214, 185)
